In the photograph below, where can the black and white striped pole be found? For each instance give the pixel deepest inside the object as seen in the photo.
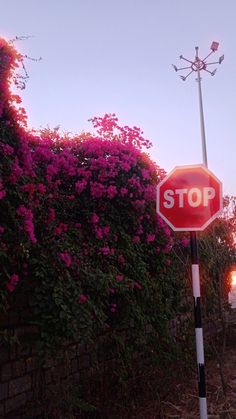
(198, 326)
(198, 65)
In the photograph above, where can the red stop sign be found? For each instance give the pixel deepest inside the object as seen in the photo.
(189, 198)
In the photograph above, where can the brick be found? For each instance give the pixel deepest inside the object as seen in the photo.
(4, 354)
(3, 391)
(84, 361)
(18, 368)
(4, 319)
(57, 373)
(15, 402)
(13, 352)
(74, 365)
(71, 352)
(31, 364)
(14, 318)
(82, 349)
(1, 410)
(49, 362)
(76, 378)
(6, 373)
(30, 396)
(19, 385)
(23, 349)
(32, 329)
(48, 376)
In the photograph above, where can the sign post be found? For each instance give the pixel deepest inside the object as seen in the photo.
(189, 198)
(196, 66)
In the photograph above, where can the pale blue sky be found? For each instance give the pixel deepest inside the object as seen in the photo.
(104, 56)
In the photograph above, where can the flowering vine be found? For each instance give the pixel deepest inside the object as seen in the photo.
(78, 227)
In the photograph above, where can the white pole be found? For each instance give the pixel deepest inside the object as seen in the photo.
(203, 136)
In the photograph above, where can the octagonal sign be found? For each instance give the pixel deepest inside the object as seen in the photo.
(189, 198)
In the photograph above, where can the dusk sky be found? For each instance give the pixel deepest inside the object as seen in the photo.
(105, 56)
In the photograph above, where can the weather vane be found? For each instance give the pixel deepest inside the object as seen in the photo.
(198, 64)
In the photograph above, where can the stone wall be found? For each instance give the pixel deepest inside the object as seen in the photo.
(28, 386)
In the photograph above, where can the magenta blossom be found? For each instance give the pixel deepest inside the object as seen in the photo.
(136, 239)
(113, 308)
(95, 218)
(151, 238)
(66, 258)
(28, 221)
(185, 242)
(41, 188)
(83, 299)
(11, 285)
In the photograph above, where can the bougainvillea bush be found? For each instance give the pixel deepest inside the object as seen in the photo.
(79, 234)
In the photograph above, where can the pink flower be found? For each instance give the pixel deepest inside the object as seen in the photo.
(139, 204)
(125, 166)
(105, 250)
(145, 174)
(167, 231)
(106, 230)
(150, 238)
(111, 191)
(137, 285)
(71, 197)
(95, 218)
(28, 221)
(121, 260)
(16, 172)
(160, 221)
(7, 149)
(41, 188)
(2, 191)
(99, 232)
(167, 248)
(83, 299)
(51, 217)
(80, 185)
(119, 278)
(60, 229)
(52, 170)
(136, 239)
(113, 308)
(66, 258)
(97, 189)
(185, 242)
(1, 229)
(28, 188)
(123, 191)
(2, 194)
(111, 291)
(11, 285)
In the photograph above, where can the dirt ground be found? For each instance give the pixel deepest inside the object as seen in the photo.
(183, 404)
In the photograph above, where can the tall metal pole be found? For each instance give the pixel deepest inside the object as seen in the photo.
(196, 277)
(203, 135)
(197, 66)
